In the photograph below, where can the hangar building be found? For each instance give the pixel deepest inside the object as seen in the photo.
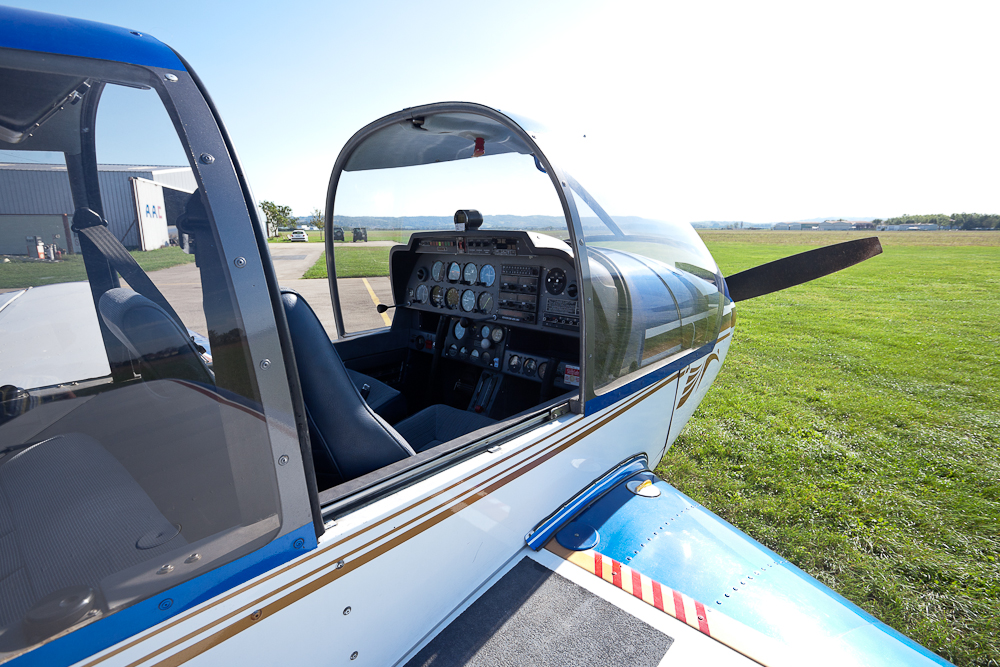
(140, 204)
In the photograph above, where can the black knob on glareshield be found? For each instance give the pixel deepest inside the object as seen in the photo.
(471, 218)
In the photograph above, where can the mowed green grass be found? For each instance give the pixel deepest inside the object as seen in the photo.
(854, 429)
(22, 272)
(358, 262)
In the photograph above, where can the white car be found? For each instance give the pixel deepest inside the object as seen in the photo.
(298, 235)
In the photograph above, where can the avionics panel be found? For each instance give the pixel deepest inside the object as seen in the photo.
(521, 278)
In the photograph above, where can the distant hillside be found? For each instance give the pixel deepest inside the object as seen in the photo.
(430, 222)
(833, 217)
(729, 224)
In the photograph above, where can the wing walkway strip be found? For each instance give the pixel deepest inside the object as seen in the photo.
(745, 640)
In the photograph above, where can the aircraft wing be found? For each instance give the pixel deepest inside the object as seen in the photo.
(647, 576)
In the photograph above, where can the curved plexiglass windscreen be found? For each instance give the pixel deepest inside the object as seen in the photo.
(657, 292)
(379, 209)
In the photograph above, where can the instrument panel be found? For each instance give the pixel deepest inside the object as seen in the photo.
(520, 278)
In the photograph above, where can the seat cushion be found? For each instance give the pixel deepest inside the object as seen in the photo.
(387, 402)
(439, 423)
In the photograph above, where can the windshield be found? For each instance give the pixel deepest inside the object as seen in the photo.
(381, 208)
(657, 291)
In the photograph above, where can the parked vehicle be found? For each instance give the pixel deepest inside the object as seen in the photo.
(298, 235)
(338, 233)
(359, 234)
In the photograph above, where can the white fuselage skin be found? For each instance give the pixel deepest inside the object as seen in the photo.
(387, 577)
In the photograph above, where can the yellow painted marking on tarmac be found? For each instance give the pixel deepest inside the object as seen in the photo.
(371, 292)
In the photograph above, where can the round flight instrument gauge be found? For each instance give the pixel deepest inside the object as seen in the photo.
(497, 335)
(487, 275)
(555, 281)
(485, 331)
(453, 350)
(468, 300)
(486, 302)
(470, 273)
(474, 354)
(437, 271)
(514, 363)
(454, 272)
(464, 352)
(542, 367)
(529, 366)
(437, 296)
(422, 293)
(451, 298)
(459, 331)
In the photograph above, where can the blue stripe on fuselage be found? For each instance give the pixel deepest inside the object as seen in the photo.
(602, 401)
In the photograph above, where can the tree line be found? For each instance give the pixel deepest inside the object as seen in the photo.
(955, 220)
(280, 217)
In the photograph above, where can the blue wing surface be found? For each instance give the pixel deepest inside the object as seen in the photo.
(675, 541)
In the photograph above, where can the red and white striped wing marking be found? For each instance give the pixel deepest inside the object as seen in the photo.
(737, 636)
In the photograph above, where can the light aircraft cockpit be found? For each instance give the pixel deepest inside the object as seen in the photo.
(507, 290)
(201, 455)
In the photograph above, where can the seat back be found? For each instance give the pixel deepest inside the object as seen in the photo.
(157, 346)
(348, 438)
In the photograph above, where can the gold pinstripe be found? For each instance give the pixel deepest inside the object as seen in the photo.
(471, 497)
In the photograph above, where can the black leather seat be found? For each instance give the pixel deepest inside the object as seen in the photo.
(157, 347)
(349, 438)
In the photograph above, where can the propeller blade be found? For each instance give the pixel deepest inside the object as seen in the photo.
(801, 268)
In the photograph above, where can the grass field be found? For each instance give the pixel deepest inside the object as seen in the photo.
(855, 427)
(357, 262)
(22, 272)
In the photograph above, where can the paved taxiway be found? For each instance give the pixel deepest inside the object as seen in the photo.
(181, 285)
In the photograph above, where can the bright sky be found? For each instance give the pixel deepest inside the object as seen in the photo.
(754, 111)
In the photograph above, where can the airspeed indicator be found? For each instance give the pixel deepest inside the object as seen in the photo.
(486, 302)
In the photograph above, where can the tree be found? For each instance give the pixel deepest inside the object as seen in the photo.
(316, 218)
(277, 216)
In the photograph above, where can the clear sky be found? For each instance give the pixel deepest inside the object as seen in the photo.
(754, 111)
